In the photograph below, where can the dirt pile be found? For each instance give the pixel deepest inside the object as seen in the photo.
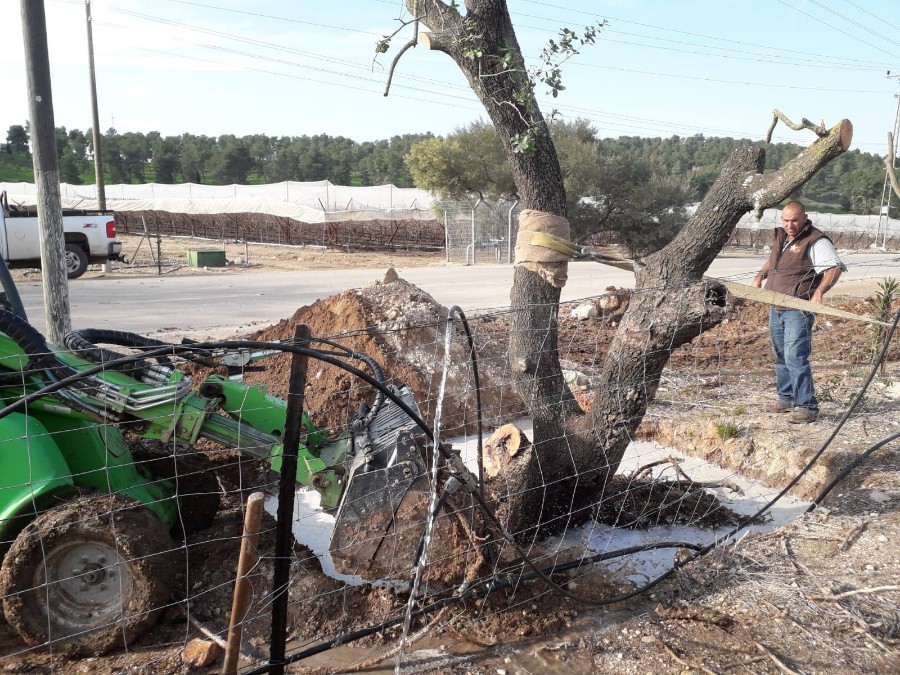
(403, 328)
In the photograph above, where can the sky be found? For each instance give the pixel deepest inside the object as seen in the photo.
(300, 67)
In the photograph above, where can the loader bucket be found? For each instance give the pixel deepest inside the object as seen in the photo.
(382, 516)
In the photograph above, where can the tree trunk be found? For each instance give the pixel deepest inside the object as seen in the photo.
(574, 453)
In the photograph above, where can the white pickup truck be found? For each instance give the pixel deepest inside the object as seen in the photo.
(90, 238)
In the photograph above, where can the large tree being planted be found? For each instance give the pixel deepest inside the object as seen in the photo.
(575, 452)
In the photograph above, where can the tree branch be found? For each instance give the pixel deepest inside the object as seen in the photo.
(858, 591)
(818, 129)
(766, 190)
(390, 76)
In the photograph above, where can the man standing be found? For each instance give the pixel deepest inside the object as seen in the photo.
(804, 264)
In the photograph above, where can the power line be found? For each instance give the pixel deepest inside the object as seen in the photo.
(671, 29)
(273, 17)
(855, 23)
(875, 16)
(270, 45)
(592, 115)
(441, 96)
(825, 23)
(573, 62)
(837, 63)
(782, 58)
(767, 85)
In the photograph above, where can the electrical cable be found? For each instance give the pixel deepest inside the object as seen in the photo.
(847, 469)
(477, 590)
(456, 311)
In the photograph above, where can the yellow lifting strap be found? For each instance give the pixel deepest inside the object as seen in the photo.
(550, 241)
(574, 250)
(571, 249)
(782, 300)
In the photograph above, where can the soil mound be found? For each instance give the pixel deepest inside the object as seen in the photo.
(403, 328)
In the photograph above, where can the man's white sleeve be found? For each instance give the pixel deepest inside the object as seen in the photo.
(824, 256)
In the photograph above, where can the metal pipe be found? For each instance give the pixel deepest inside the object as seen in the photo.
(446, 236)
(473, 229)
(287, 486)
(509, 241)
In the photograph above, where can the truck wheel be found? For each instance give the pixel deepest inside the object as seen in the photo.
(76, 261)
(196, 486)
(88, 576)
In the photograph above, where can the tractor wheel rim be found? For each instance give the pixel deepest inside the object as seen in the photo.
(83, 585)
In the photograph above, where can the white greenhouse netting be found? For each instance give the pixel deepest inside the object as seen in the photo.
(312, 202)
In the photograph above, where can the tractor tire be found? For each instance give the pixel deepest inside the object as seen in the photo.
(76, 261)
(196, 486)
(88, 576)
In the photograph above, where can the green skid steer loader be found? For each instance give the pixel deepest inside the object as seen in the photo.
(87, 520)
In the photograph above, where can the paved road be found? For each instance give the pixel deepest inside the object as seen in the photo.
(222, 303)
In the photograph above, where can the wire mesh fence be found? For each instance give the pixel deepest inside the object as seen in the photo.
(351, 235)
(128, 464)
(469, 231)
(480, 231)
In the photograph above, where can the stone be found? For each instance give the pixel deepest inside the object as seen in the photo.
(200, 653)
(390, 276)
(586, 310)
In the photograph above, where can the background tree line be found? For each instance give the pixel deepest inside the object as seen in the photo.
(135, 157)
(629, 189)
(632, 190)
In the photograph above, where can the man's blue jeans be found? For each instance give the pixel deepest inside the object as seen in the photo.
(791, 333)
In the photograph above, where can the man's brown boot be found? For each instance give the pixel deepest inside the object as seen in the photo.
(803, 416)
(778, 406)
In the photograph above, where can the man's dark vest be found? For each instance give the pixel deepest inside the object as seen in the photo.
(790, 267)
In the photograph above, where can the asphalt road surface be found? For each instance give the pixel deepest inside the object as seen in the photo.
(220, 304)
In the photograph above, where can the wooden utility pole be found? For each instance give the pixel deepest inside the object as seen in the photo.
(98, 154)
(46, 171)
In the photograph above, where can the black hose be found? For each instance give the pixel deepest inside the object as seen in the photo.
(473, 359)
(473, 591)
(40, 357)
(847, 469)
(85, 342)
(378, 403)
(882, 355)
(25, 336)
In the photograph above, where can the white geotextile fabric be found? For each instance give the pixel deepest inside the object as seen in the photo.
(314, 202)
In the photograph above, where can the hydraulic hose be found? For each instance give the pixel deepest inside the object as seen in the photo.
(85, 342)
(364, 422)
(40, 357)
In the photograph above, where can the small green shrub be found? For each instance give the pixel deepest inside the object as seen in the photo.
(726, 430)
(882, 305)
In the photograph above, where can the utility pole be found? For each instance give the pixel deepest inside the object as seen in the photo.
(887, 191)
(46, 171)
(98, 154)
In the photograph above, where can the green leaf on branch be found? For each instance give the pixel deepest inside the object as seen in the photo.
(524, 143)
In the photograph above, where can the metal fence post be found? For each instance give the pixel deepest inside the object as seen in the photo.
(287, 486)
(509, 240)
